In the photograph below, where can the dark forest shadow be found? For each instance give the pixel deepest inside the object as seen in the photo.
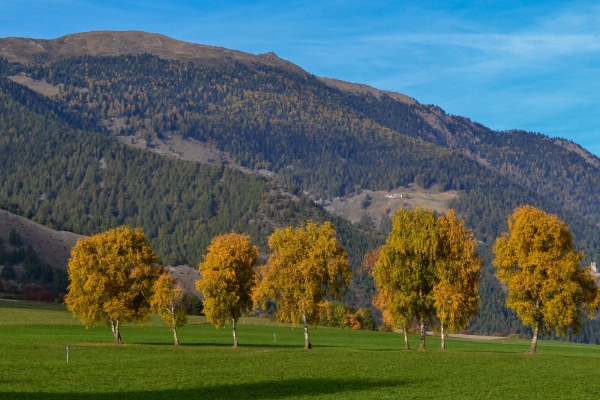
(259, 390)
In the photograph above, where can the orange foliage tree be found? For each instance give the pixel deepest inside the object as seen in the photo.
(457, 270)
(306, 265)
(167, 301)
(228, 279)
(538, 263)
(112, 276)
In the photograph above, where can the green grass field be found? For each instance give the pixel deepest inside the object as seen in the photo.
(343, 364)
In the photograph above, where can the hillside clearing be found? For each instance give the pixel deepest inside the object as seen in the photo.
(412, 196)
(42, 87)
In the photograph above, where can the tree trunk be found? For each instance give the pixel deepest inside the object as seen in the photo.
(443, 337)
(533, 348)
(406, 346)
(422, 348)
(307, 344)
(235, 338)
(175, 337)
(173, 324)
(114, 325)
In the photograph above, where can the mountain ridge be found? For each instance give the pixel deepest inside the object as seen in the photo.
(112, 43)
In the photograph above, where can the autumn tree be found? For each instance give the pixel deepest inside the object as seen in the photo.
(457, 274)
(427, 267)
(228, 279)
(306, 265)
(538, 263)
(167, 301)
(405, 270)
(112, 275)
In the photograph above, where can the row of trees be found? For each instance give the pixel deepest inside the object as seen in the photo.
(305, 266)
(115, 278)
(429, 269)
(427, 264)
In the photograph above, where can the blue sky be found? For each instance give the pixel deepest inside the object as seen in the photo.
(507, 64)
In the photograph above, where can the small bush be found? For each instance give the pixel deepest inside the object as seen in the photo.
(37, 293)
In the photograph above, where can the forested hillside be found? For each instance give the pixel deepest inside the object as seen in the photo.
(270, 119)
(313, 137)
(85, 182)
(556, 168)
(61, 167)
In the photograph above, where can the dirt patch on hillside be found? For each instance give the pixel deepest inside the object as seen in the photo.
(175, 146)
(410, 197)
(52, 246)
(42, 87)
(187, 277)
(185, 149)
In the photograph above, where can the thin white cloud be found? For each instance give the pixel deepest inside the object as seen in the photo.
(530, 45)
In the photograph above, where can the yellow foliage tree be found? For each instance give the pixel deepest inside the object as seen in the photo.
(306, 264)
(538, 263)
(167, 301)
(228, 279)
(458, 269)
(112, 276)
(428, 265)
(405, 270)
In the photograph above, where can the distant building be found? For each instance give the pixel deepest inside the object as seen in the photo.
(393, 195)
(594, 268)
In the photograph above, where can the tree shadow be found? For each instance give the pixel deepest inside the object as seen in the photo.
(249, 345)
(257, 390)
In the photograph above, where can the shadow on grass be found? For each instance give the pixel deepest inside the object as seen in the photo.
(259, 390)
(250, 345)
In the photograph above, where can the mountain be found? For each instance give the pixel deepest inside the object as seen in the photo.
(111, 43)
(53, 247)
(275, 144)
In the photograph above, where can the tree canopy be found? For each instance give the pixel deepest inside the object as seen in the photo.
(405, 271)
(457, 274)
(167, 301)
(306, 265)
(427, 267)
(228, 279)
(538, 263)
(112, 276)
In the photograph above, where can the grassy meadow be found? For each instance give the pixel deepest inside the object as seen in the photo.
(344, 364)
